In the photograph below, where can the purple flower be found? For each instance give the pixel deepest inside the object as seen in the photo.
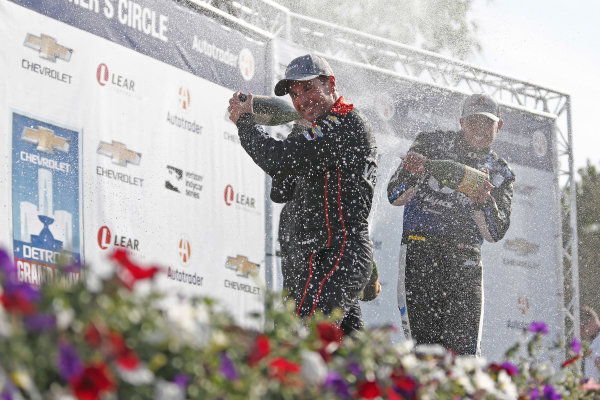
(510, 369)
(576, 345)
(550, 393)
(69, 364)
(227, 368)
(181, 380)
(534, 393)
(335, 382)
(40, 322)
(539, 327)
(354, 369)
(7, 266)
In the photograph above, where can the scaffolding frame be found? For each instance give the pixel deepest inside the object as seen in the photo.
(274, 20)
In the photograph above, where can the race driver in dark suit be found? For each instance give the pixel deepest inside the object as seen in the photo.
(336, 162)
(443, 228)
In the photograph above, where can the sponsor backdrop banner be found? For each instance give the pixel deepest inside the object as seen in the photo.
(522, 273)
(115, 136)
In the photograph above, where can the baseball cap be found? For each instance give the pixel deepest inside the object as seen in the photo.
(481, 104)
(303, 68)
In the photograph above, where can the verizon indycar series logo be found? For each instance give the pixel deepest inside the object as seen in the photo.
(48, 49)
(46, 203)
(181, 181)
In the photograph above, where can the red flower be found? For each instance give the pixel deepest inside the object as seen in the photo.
(368, 390)
(130, 272)
(92, 382)
(125, 357)
(20, 299)
(92, 335)
(571, 360)
(404, 387)
(260, 350)
(330, 332)
(281, 368)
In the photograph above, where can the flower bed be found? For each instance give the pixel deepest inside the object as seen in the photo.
(65, 342)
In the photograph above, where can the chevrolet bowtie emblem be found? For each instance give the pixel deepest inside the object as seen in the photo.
(521, 246)
(119, 153)
(45, 140)
(241, 265)
(48, 47)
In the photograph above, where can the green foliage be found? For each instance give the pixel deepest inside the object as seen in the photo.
(588, 232)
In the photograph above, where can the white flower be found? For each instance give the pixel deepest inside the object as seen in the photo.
(164, 390)
(189, 324)
(138, 376)
(313, 367)
(507, 386)
(484, 381)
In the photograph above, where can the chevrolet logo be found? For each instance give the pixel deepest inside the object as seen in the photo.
(45, 140)
(48, 47)
(241, 265)
(521, 246)
(119, 153)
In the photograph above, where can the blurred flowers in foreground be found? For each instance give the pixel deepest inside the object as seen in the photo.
(61, 342)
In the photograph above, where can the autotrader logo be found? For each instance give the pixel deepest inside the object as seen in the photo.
(184, 98)
(184, 250)
(229, 195)
(102, 74)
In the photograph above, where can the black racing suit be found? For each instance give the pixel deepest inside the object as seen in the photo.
(335, 162)
(443, 231)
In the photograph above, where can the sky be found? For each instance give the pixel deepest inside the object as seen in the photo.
(550, 43)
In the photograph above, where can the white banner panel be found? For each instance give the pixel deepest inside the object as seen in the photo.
(116, 136)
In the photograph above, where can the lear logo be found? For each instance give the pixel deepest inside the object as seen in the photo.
(48, 47)
(242, 266)
(246, 64)
(229, 195)
(184, 250)
(119, 153)
(240, 199)
(184, 98)
(104, 237)
(521, 246)
(102, 74)
(45, 140)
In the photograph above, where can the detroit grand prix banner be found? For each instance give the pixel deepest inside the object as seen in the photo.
(114, 132)
(522, 272)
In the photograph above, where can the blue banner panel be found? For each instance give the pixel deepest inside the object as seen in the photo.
(171, 33)
(46, 200)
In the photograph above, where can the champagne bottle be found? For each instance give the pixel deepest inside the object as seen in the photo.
(456, 175)
(271, 111)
